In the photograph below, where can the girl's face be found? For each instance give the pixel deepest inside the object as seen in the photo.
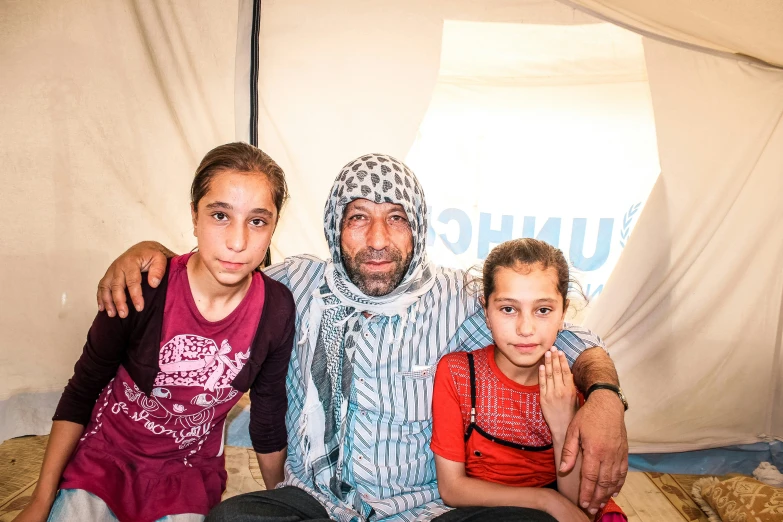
(234, 223)
(524, 313)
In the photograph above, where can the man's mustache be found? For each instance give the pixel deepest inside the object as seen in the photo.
(384, 255)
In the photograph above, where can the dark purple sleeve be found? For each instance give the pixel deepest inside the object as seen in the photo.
(268, 399)
(106, 345)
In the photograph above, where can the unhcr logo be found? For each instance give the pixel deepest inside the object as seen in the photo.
(493, 229)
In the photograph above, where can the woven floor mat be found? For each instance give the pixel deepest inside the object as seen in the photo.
(21, 458)
(677, 488)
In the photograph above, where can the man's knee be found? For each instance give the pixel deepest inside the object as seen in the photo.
(260, 506)
(225, 511)
(252, 506)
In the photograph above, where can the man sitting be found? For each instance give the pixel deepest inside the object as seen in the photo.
(372, 323)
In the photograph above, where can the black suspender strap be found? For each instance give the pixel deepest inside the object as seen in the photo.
(473, 426)
(472, 389)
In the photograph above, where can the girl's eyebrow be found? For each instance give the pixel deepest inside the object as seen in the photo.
(226, 206)
(262, 211)
(512, 300)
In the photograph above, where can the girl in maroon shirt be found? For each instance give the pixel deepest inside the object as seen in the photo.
(138, 432)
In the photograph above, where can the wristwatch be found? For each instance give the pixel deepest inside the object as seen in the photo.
(608, 386)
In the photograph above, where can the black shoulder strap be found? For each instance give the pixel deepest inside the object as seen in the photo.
(475, 427)
(472, 388)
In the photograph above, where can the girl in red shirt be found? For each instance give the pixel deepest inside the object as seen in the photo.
(138, 432)
(500, 414)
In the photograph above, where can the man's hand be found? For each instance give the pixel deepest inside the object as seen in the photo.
(599, 429)
(125, 271)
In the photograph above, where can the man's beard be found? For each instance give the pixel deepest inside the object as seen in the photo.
(377, 284)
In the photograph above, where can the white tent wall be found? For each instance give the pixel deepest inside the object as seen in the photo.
(521, 111)
(749, 28)
(107, 108)
(342, 78)
(692, 309)
(777, 401)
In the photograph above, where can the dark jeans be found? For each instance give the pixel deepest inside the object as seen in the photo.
(494, 514)
(287, 504)
(294, 505)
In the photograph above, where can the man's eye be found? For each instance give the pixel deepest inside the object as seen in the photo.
(258, 222)
(544, 311)
(220, 216)
(399, 221)
(507, 309)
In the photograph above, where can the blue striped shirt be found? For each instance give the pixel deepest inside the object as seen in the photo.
(387, 457)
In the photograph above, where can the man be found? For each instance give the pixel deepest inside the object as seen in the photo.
(372, 323)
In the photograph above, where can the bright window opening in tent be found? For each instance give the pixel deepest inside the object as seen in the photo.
(537, 131)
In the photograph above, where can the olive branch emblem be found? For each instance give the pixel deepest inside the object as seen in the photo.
(627, 221)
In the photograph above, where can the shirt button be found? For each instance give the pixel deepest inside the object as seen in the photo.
(366, 335)
(359, 457)
(476, 453)
(364, 412)
(361, 380)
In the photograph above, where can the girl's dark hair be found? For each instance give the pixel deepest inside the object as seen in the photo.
(527, 252)
(239, 157)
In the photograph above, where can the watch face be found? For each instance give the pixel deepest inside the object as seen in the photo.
(622, 398)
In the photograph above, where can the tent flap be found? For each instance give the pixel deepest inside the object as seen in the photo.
(750, 28)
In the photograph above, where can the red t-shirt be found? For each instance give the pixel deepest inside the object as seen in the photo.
(148, 457)
(504, 409)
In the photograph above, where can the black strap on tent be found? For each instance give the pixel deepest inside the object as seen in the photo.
(254, 43)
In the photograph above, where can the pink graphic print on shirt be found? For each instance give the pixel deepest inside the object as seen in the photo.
(192, 390)
(192, 360)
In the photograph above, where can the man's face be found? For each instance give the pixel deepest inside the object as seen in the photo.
(376, 244)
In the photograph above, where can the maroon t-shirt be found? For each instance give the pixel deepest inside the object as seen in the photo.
(162, 454)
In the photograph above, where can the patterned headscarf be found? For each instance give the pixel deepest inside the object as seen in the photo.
(379, 179)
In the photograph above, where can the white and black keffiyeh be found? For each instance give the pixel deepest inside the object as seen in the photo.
(380, 179)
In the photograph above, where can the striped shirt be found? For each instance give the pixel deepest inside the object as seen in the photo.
(387, 457)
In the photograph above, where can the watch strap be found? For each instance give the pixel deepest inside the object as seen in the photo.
(607, 386)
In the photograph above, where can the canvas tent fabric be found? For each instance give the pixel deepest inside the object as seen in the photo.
(113, 104)
(107, 108)
(516, 127)
(700, 324)
(749, 29)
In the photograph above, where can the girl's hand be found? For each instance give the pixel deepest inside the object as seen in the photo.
(558, 393)
(563, 509)
(36, 511)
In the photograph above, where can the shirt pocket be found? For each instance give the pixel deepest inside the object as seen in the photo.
(413, 394)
